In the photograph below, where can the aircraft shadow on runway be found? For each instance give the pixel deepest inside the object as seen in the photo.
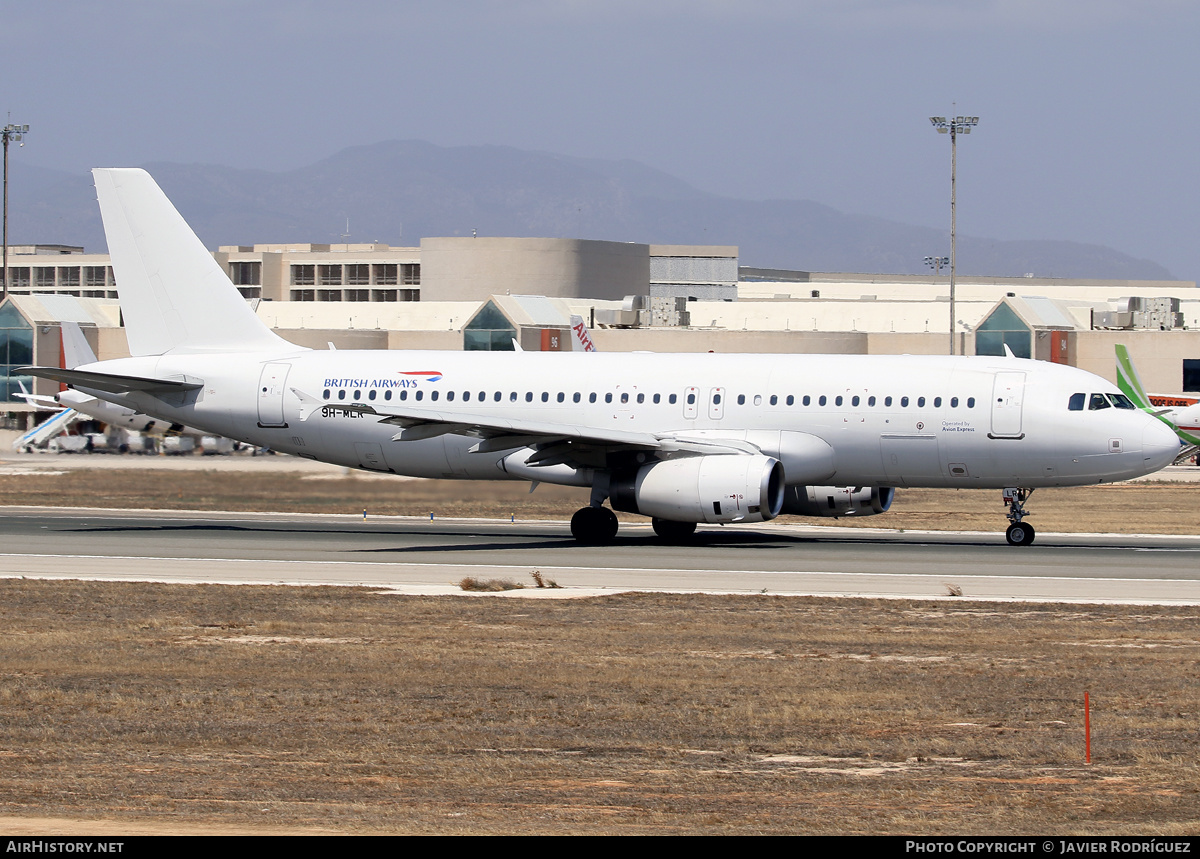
(471, 535)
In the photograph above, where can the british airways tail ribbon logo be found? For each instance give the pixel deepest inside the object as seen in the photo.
(427, 375)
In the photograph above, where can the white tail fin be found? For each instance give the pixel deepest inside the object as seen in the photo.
(76, 351)
(581, 337)
(174, 295)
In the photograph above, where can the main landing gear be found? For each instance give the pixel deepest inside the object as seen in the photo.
(594, 526)
(1019, 533)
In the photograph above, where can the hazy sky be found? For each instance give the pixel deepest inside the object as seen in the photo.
(1088, 108)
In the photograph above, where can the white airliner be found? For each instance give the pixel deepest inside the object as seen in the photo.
(682, 438)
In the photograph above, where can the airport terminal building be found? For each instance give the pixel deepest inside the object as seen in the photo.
(498, 293)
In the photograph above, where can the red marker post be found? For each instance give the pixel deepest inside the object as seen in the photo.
(1087, 728)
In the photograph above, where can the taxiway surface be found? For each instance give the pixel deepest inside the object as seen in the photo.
(420, 556)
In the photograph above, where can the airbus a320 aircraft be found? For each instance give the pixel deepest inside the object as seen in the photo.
(682, 438)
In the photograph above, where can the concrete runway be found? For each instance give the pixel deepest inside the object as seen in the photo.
(418, 556)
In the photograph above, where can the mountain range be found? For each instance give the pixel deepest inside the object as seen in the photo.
(400, 191)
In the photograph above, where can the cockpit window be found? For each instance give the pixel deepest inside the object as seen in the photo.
(1121, 401)
(1098, 402)
(1076, 402)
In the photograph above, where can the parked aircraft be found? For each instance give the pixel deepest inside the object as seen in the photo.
(77, 352)
(1181, 414)
(682, 438)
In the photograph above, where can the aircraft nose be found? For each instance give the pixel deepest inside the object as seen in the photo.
(1160, 445)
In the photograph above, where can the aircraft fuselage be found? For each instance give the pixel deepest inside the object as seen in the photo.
(887, 420)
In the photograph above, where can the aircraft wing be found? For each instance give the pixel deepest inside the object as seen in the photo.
(110, 382)
(498, 433)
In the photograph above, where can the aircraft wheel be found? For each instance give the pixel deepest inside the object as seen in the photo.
(1020, 534)
(610, 525)
(674, 532)
(594, 526)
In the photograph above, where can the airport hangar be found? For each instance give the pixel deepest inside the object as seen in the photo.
(484, 293)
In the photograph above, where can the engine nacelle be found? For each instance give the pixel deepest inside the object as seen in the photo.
(837, 500)
(716, 488)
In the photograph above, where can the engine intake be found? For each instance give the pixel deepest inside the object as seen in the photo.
(837, 500)
(733, 488)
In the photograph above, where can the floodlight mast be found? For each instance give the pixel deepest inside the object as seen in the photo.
(954, 126)
(9, 132)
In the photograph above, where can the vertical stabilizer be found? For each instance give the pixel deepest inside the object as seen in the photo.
(1128, 380)
(174, 295)
(76, 351)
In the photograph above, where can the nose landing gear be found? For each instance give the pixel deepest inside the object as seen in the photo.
(1019, 533)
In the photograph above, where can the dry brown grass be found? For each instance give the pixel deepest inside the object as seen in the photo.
(1151, 508)
(470, 583)
(342, 709)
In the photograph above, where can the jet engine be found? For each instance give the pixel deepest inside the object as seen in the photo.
(837, 500)
(713, 488)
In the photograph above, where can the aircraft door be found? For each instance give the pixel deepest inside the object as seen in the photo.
(716, 403)
(1007, 394)
(270, 395)
(370, 455)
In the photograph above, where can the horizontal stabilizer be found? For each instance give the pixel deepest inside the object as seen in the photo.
(109, 382)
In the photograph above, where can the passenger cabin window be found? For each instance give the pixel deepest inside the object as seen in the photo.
(1075, 404)
(1098, 402)
(671, 400)
(741, 399)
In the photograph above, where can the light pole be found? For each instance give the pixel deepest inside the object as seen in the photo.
(954, 126)
(10, 132)
(936, 263)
